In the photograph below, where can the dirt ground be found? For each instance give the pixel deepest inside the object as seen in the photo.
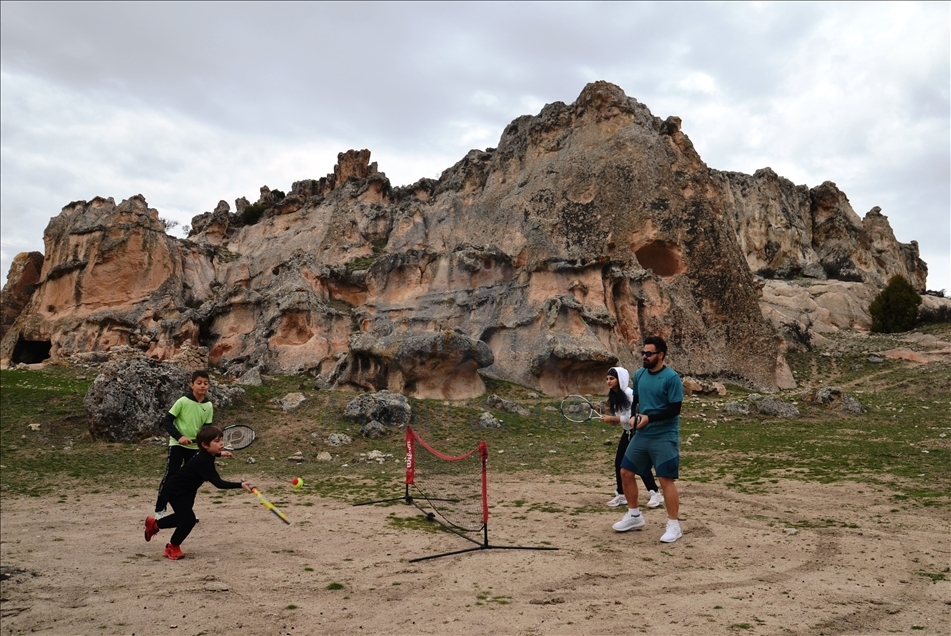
(803, 559)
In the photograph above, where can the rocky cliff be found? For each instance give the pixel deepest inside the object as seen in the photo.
(542, 261)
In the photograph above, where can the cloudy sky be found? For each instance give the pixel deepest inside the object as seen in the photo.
(189, 103)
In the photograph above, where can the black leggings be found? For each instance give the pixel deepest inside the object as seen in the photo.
(177, 456)
(648, 478)
(182, 519)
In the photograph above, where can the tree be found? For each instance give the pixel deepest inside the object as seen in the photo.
(896, 308)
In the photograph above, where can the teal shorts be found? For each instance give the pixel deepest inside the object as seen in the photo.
(663, 453)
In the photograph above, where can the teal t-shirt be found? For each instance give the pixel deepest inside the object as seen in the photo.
(655, 392)
(190, 416)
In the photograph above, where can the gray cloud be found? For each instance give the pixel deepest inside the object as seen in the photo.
(191, 102)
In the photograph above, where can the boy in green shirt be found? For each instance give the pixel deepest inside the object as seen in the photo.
(183, 421)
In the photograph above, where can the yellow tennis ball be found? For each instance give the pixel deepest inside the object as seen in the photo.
(297, 482)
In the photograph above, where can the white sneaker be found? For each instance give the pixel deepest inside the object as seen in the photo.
(158, 515)
(673, 532)
(656, 499)
(619, 500)
(630, 522)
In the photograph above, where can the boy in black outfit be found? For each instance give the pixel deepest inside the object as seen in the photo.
(182, 487)
(183, 421)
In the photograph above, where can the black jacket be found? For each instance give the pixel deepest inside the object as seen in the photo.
(198, 470)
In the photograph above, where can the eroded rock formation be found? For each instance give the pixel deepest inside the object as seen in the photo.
(542, 262)
(22, 278)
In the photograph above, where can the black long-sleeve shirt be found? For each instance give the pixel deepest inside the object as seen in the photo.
(198, 470)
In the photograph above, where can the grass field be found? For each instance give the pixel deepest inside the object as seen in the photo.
(823, 524)
(902, 441)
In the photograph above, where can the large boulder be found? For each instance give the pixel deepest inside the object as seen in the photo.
(834, 398)
(129, 398)
(386, 407)
(773, 406)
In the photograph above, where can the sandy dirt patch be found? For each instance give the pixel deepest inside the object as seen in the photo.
(801, 559)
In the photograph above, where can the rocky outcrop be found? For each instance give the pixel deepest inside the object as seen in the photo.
(542, 261)
(425, 365)
(21, 282)
(794, 232)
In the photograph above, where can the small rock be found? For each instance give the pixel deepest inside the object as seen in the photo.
(736, 408)
(338, 439)
(290, 401)
(487, 420)
(373, 430)
(251, 460)
(296, 457)
(251, 377)
(790, 530)
(691, 386)
(496, 402)
(324, 457)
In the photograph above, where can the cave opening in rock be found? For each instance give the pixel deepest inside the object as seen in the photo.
(31, 351)
(664, 259)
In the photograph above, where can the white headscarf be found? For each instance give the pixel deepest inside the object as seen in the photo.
(623, 382)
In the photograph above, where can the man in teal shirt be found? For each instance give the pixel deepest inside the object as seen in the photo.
(658, 396)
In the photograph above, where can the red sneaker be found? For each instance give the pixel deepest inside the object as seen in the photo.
(151, 528)
(173, 552)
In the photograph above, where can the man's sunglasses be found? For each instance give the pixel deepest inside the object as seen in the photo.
(649, 354)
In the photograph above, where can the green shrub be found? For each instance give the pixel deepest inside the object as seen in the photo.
(896, 308)
(935, 314)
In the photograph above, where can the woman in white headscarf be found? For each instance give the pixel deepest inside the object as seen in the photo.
(620, 398)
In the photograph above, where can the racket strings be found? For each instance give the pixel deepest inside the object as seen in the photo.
(578, 409)
(237, 437)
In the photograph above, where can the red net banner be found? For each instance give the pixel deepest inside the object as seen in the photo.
(454, 486)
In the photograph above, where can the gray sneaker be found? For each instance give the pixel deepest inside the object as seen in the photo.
(630, 522)
(619, 500)
(673, 532)
(656, 500)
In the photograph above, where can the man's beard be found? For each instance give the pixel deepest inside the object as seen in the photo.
(647, 362)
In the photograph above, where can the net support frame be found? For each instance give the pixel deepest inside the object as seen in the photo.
(410, 479)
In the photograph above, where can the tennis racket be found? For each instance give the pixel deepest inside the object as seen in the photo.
(578, 409)
(267, 504)
(237, 436)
